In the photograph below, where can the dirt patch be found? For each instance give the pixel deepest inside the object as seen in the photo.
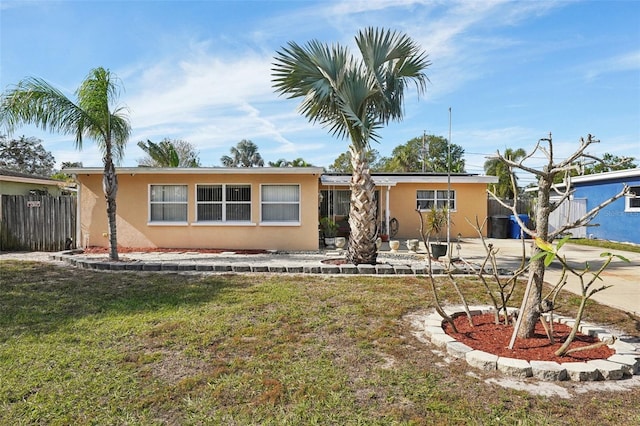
(493, 338)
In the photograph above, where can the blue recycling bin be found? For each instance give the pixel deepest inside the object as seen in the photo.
(515, 226)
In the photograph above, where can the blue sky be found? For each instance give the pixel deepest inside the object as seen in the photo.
(511, 71)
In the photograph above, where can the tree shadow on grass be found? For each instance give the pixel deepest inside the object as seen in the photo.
(39, 298)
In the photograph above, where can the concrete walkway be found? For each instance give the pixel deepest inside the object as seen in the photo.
(623, 277)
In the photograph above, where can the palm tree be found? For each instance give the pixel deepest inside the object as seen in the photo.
(298, 162)
(168, 153)
(496, 167)
(354, 98)
(245, 154)
(34, 101)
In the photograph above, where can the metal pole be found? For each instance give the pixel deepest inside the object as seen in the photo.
(449, 189)
(424, 153)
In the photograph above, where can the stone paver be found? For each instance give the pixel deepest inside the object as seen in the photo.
(632, 362)
(608, 370)
(514, 367)
(581, 371)
(458, 349)
(482, 360)
(549, 371)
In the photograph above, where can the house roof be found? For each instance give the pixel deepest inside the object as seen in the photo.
(597, 177)
(392, 179)
(12, 176)
(617, 174)
(200, 170)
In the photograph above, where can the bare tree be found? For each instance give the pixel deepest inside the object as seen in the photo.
(533, 304)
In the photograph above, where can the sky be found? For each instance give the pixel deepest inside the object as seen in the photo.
(503, 74)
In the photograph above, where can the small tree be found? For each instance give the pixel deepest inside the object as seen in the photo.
(586, 276)
(26, 155)
(533, 304)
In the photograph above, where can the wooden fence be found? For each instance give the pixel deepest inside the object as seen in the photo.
(524, 206)
(37, 222)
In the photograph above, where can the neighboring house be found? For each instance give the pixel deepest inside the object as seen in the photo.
(257, 208)
(401, 194)
(15, 183)
(620, 220)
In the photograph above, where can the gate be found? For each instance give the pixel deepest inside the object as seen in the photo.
(568, 212)
(37, 222)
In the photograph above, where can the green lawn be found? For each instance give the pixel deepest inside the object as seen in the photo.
(85, 347)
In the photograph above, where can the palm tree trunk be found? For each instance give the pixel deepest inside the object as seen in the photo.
(110, 188)
(362, 215)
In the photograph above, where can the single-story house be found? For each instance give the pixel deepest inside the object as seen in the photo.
(620, 220)
(16, 183)
(258, 208)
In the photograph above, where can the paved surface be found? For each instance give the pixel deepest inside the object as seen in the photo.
(623, 277)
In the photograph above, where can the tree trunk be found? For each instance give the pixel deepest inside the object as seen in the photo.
(110, 188)
(532, 310)
(362, 215)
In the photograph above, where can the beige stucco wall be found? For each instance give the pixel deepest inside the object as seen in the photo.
(134, 229)
(471, 201)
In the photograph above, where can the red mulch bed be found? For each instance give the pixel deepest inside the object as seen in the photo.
(486, 336)
(104, 250)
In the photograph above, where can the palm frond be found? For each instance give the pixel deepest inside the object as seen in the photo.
(34, 101)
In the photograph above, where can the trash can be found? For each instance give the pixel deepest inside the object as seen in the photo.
(515, 228)
(499, 227)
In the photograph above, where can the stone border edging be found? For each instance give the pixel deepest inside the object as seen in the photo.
(624, 363)
(320, 268)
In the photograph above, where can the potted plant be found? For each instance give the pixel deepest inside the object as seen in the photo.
(435, 222)
(329, 231)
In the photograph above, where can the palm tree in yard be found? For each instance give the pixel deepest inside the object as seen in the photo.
(495, 167)
(34, 101)
(244, 154)
(168, 153)
(354, 98)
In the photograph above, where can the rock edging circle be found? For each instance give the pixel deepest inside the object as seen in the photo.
(624, 363)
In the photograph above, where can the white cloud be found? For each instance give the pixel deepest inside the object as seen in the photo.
(629, 61)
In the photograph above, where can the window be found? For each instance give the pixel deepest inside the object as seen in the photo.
(427, 199)
(632, 200)
(280, 203)
(168, 203)
(223, 203)
(335, 202)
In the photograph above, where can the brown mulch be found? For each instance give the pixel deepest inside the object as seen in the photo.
(493, 338)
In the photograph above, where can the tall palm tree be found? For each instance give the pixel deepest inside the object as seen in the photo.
(168, 153)
(354, 98)
(34, 101)
(245, 154)
(162, 154)
(496, 167)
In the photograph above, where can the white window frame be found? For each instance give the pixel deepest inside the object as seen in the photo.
(280, 223)
(224, 204)
(167, 222)
(436, 199)
(634, 194)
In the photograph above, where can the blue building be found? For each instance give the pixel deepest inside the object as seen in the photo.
(620, 220)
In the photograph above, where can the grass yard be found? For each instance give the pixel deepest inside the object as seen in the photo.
(85, 347)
